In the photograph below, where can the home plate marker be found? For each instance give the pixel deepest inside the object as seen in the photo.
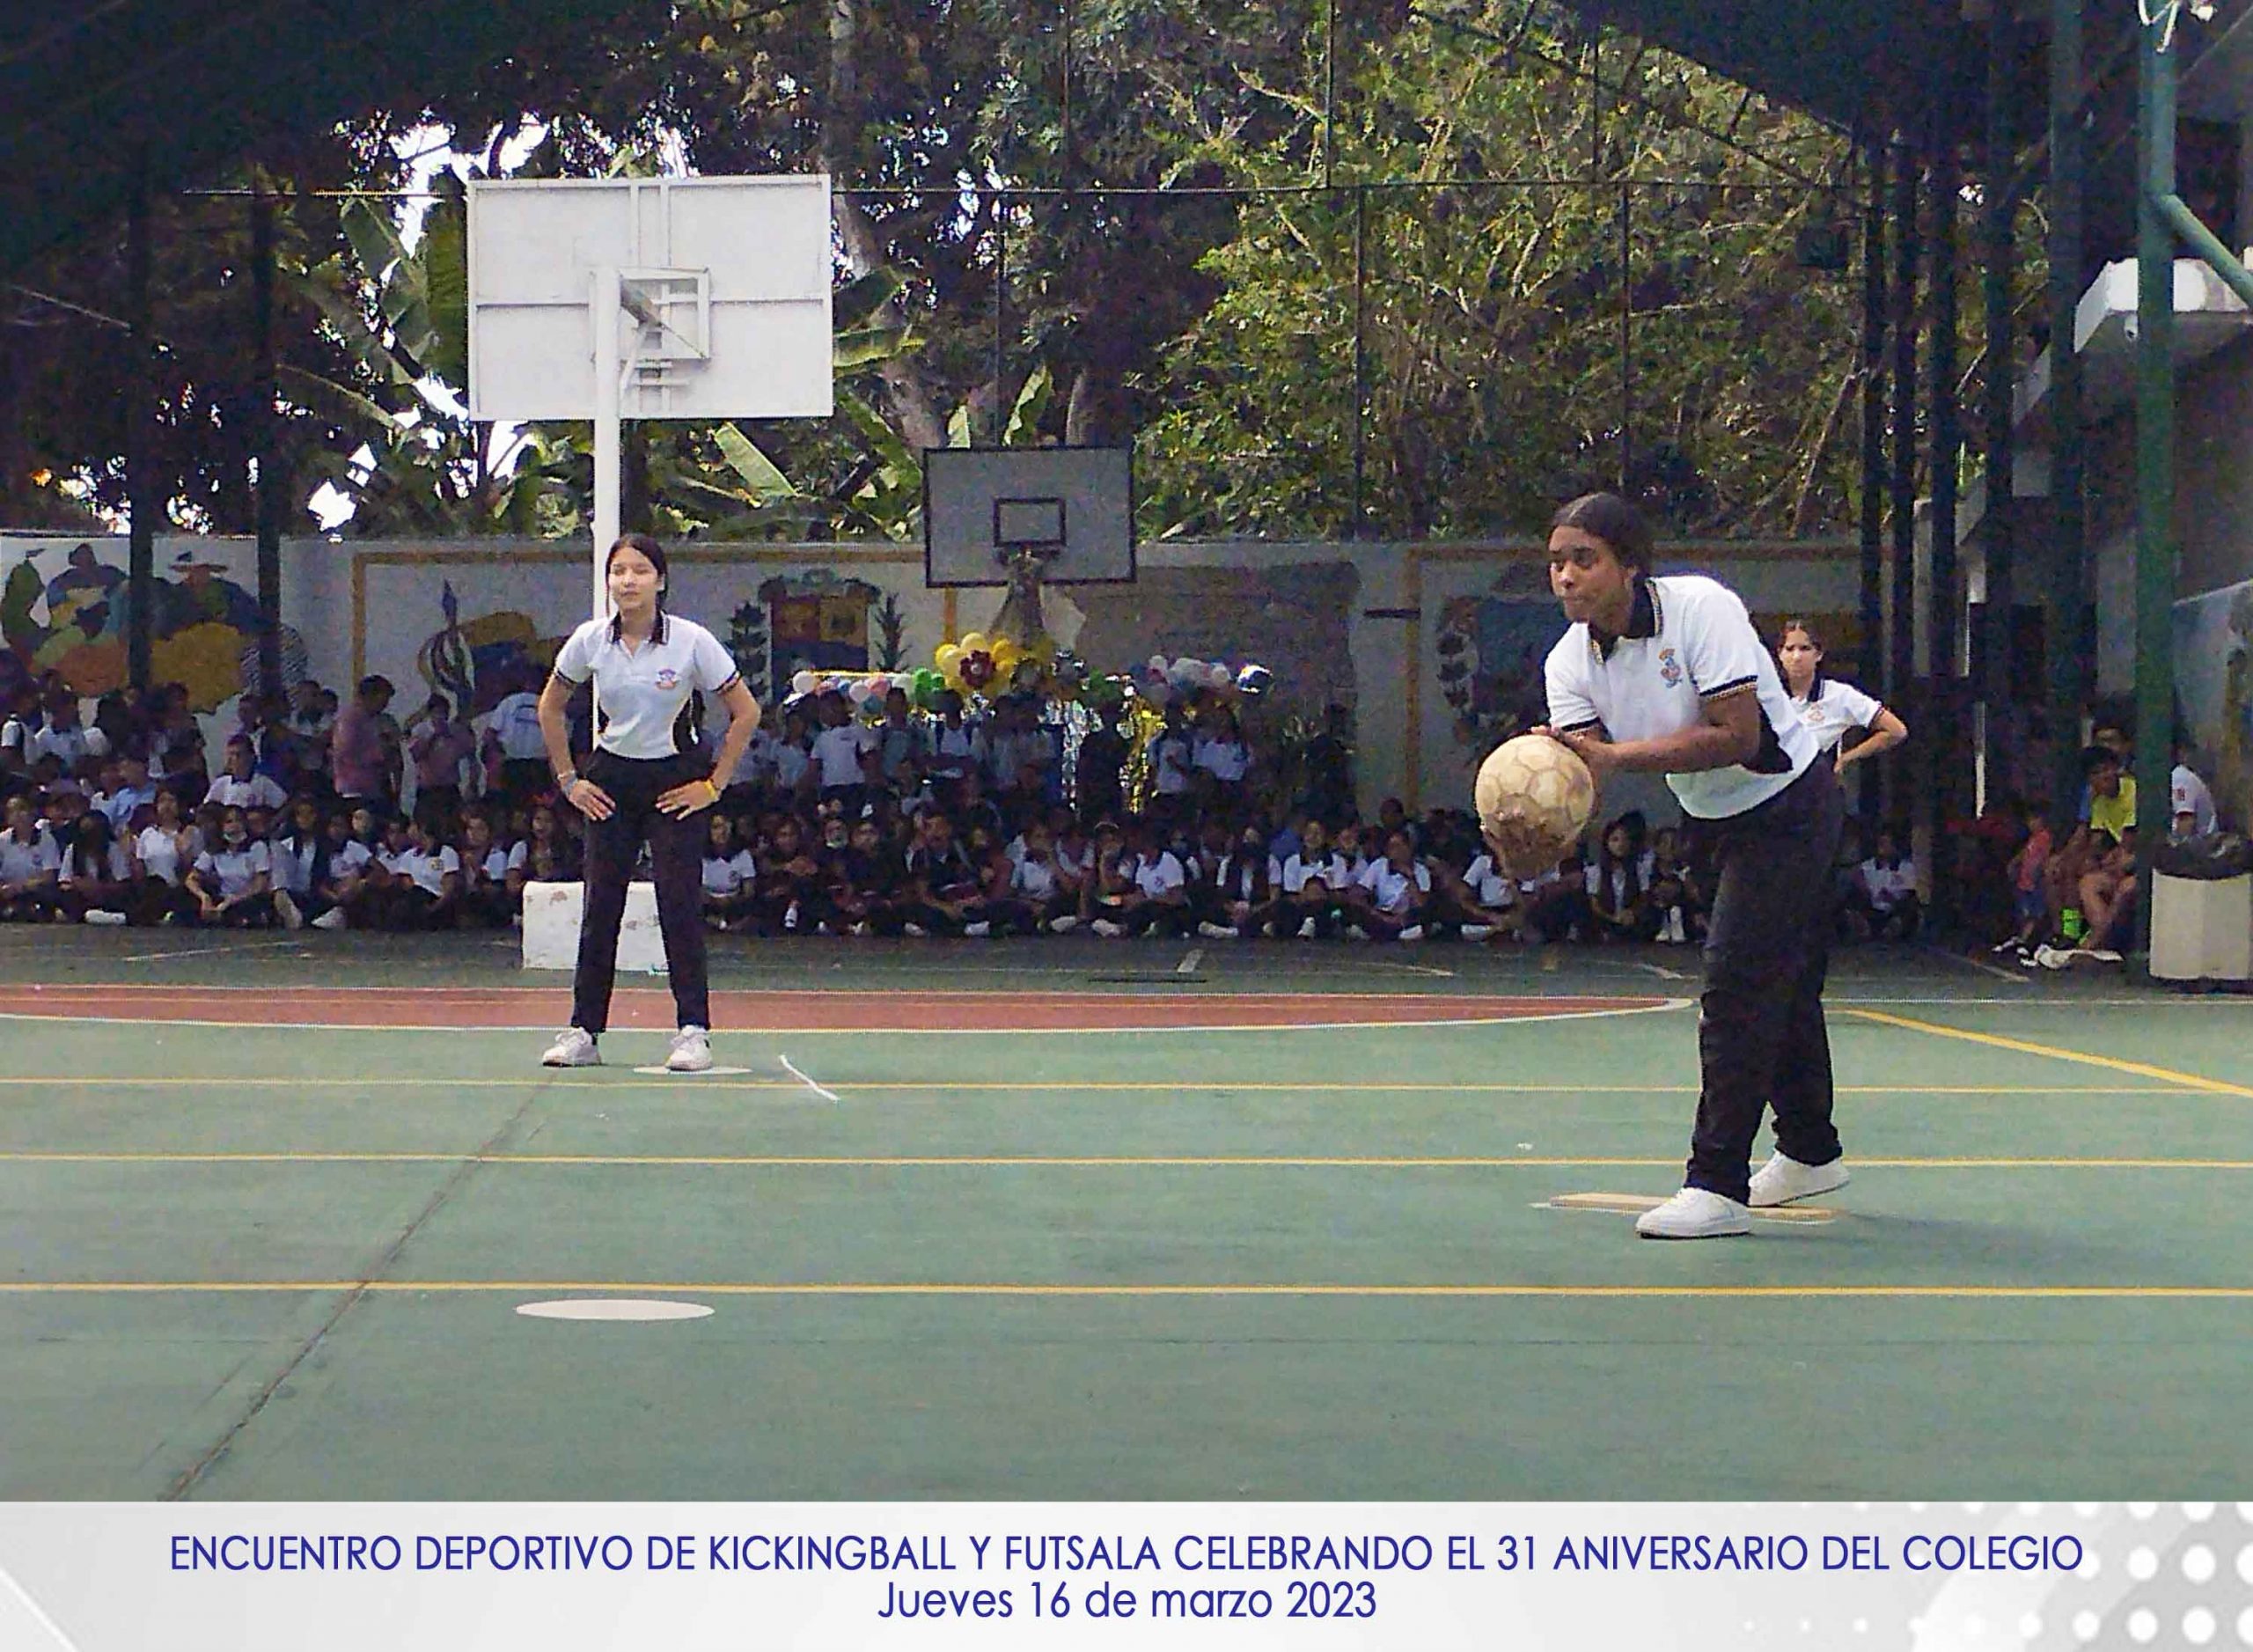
(623, 1309)
(1635, 1204)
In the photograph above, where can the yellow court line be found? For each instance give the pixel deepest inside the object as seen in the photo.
(685, 1085)
(679, 1287)
(2056, 1053)
(1245, 1160)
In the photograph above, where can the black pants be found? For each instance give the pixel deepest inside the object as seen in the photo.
(676, 852)
(1761, 1038)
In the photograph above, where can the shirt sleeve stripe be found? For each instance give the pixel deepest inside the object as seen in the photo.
(1734, 686)
(1581, 728)
(731, 683)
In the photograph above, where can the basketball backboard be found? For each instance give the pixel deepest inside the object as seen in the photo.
(723, 307)
(1072, 506)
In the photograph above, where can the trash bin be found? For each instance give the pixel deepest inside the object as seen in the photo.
(2201, 928)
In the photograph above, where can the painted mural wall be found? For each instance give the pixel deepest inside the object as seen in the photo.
(1434, 649)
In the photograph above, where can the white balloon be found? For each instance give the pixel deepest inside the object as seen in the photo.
(803, 683)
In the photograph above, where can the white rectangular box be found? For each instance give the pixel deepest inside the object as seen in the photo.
(2201, 929)
(551, 913)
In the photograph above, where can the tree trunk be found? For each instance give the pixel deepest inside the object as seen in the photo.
(915, 401)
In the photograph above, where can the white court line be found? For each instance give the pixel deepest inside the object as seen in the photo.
(827, 1095)
(1188, 965)
(1656, 1007)
(204, 951)
(1663, 972)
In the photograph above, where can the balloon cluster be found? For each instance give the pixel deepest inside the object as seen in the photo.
(866, 690)
(980, 664)
(1161, 679)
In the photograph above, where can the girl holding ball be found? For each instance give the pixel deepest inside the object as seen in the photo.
(1667, 675)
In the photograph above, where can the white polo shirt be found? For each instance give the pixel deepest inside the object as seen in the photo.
(516, 725)
(641, 692)
(2189, 795)
(1688, 641)
(1833, 708)
(838, 750)
(1389, 887)
(22, 862)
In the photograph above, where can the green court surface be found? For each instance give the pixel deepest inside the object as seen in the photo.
(1234, 1222)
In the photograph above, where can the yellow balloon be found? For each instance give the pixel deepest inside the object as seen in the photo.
(1006, 656)
(977, 643)
(948, 658)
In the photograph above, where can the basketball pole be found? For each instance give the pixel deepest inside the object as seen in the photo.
(604, 309)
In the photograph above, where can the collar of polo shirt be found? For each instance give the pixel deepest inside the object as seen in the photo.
(1644, 618)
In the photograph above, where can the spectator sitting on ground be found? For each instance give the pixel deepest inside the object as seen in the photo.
(30, 862)
(2191, 802)
(1886, 906)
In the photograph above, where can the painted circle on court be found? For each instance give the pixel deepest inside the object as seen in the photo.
(613, 1310)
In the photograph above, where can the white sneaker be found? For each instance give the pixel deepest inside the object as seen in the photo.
(102, 915)
(333, 919)
(1413, 932)
(858, 928)
(1107, 930)
(691, 1051)
(1213, 931)
(2053, 957)
(1781, 1180)
(1695, 1213)
(1064, 925)
(1354, 932)
(291, 918)
(1477, 931)
(979, 930)
(2101, 955)
(574, 1046)
(913, 931)
(1675, 935)
(1306, 930)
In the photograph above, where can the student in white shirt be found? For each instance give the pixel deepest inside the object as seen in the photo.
(492, 874)
(164, 850)
(94, 883)
(1389, 898)
(639, 786)
(238, 786)
(730, 877)
(233, 880)
(514, 729)
(2191, 802)
(839, 752)
(1667, 675)
(29, 866)
(1832, 709)
(1155, 895)
(1304, 887)
(1885, 892)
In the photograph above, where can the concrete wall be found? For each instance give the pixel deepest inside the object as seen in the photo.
(1436, 648)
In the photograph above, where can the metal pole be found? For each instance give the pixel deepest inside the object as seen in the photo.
(1995, 689)
(1626, 341)
(144, 497)
(2155, 453)
(1329, 89)
(1071, 143)
(604, 310)
(271, 487)
(1360, 358)
(1941, 759)
(1873, 491)
(1901, 675)
(2063, 645)
(1001, 312)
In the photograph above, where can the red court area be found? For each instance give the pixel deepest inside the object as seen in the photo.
(841, 1010)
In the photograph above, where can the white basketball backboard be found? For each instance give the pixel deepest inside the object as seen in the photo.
(724, 289)
(1072, 506)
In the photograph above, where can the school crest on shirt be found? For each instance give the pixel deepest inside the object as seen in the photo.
(1670, 669)
(667, 678)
